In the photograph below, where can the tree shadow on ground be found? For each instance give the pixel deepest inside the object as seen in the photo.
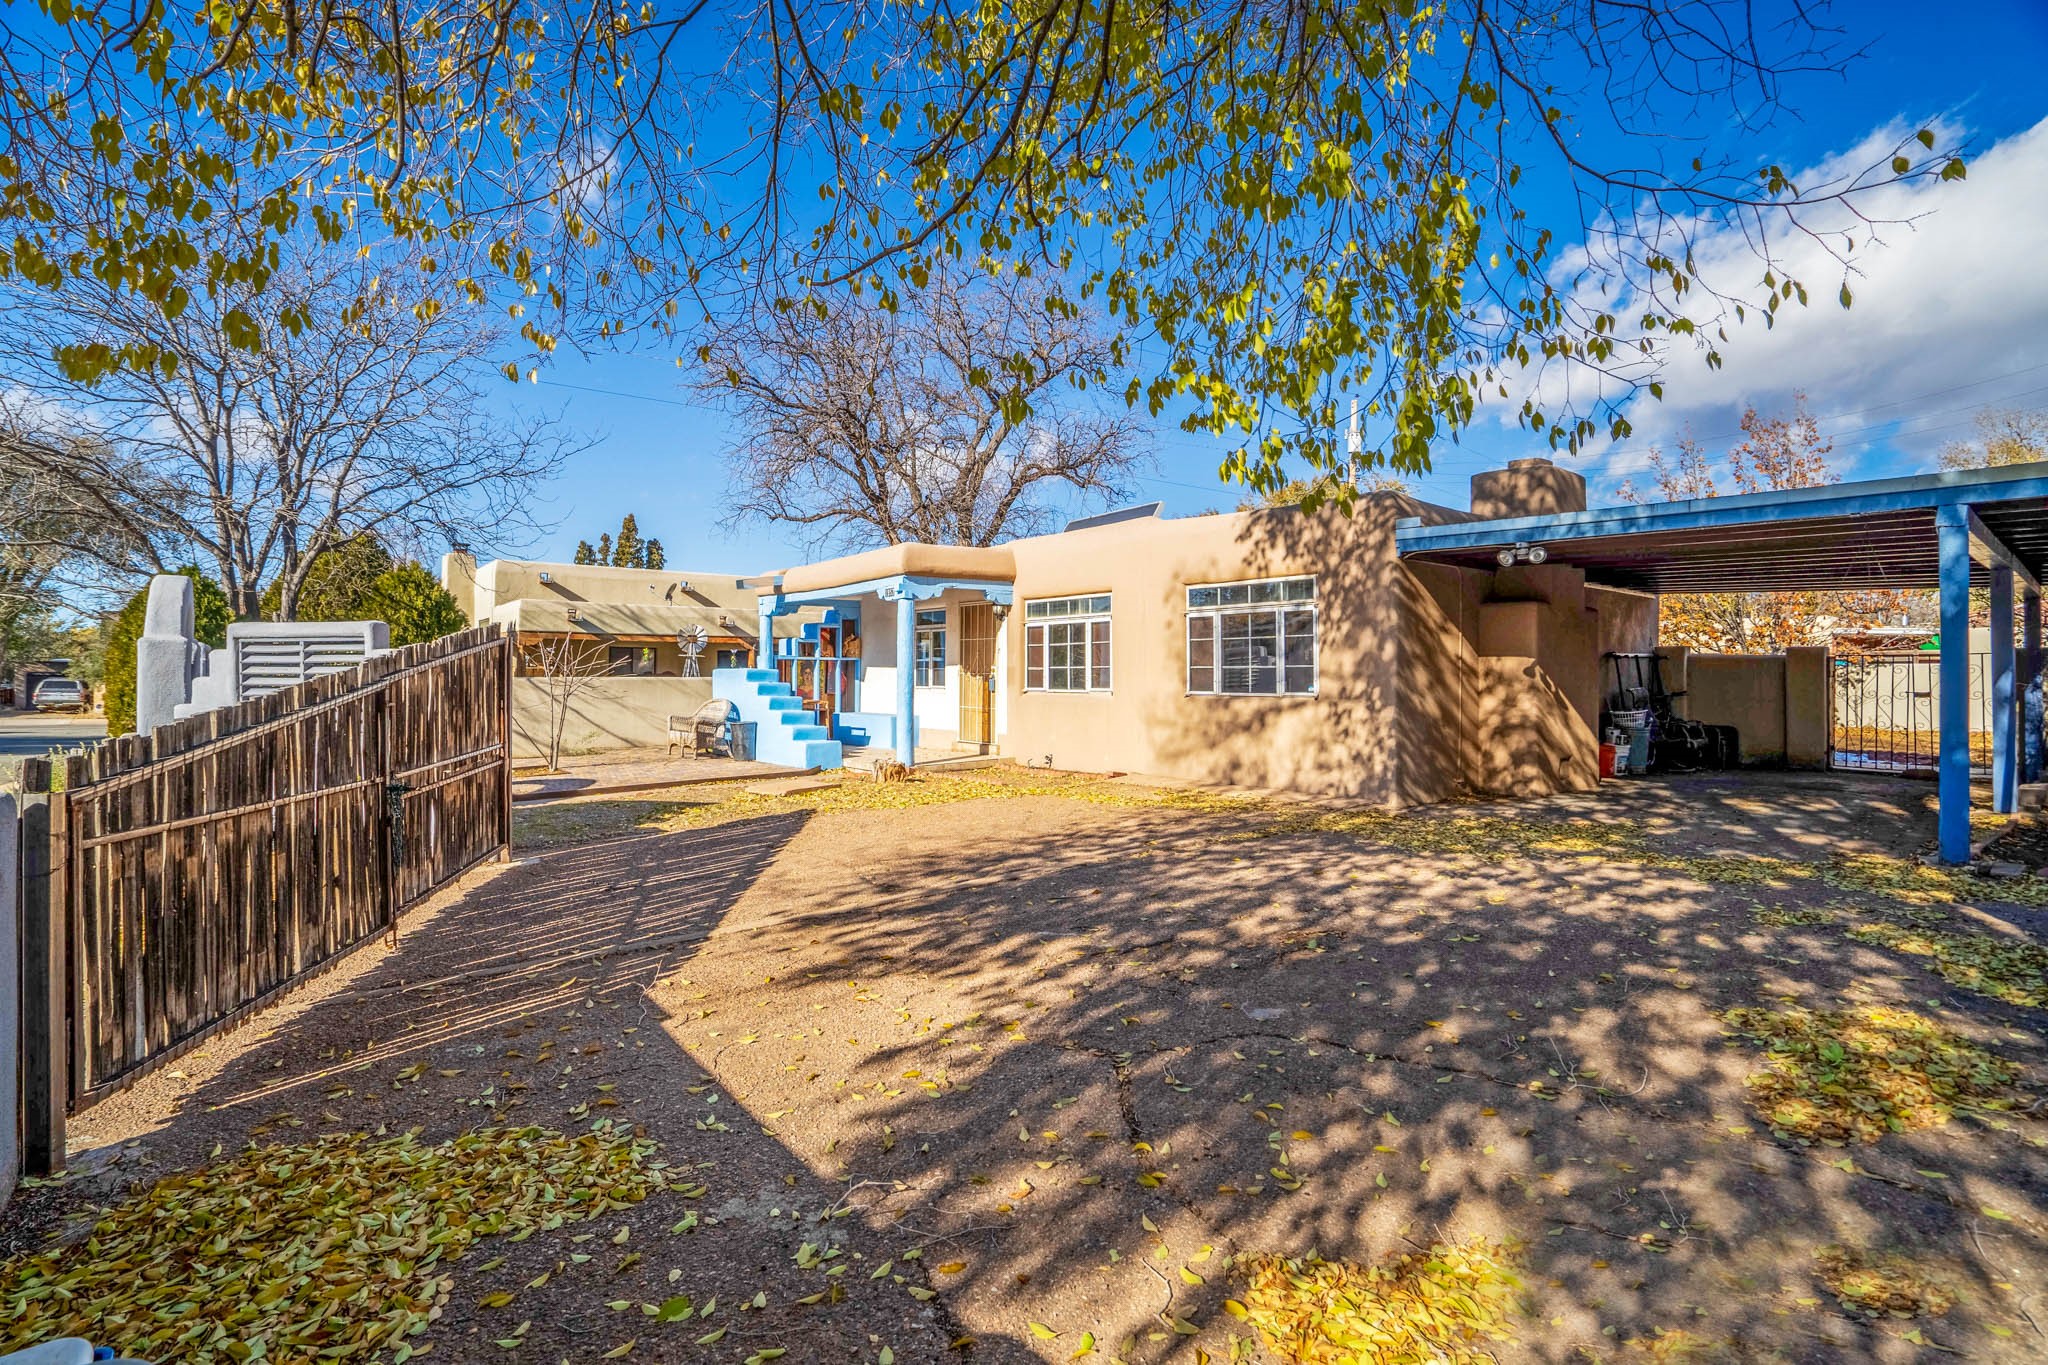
(1034, 1032)
(526, 1000)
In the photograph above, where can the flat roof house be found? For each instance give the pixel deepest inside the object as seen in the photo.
(1272, 648)
(631, 623)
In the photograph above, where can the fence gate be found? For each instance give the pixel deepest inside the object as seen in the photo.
(191, 876)
(1887, 711)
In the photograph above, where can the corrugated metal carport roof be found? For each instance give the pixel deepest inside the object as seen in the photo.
(1880, 533)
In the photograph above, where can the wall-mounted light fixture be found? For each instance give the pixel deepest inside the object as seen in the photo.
(1522, 553)
(544, 577)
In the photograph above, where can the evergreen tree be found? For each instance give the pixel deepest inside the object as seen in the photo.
(335, 583)
(584, 554)
(604, 549)
(656, 559)
(627, 551)
(417, 608)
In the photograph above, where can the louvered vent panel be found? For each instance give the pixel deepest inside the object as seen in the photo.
(263, 666)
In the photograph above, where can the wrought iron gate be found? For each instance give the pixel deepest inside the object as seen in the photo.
(1887, 711)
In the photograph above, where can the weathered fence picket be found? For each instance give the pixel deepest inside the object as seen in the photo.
(186, 878)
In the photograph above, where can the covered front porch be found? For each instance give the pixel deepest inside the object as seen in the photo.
(897, 653)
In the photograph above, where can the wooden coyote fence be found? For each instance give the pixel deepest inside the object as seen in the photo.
(177, 882)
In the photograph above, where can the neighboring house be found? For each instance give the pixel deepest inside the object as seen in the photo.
(625, 623)
(1271, 648)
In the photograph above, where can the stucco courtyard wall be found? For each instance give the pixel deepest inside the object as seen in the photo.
(607, 713)
(1778, 703)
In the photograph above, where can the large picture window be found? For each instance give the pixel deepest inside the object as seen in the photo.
(1066, 644)
(1253, 639)
(931, 648)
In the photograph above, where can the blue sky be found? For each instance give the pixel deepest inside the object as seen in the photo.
(1951, 315)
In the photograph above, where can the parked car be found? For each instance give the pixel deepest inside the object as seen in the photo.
(60, 694)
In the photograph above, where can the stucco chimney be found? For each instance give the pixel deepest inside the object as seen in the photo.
(458, 576)
(1527, 488)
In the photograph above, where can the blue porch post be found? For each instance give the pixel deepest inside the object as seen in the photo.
(1953, 529)
(2005, 753)
(906, 677)
(2032, 743)
(764, 650)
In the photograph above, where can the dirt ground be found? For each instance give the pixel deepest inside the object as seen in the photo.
(1045, 1063)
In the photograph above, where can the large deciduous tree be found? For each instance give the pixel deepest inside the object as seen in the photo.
(2005, 436)
(1279, 205)
(367, 421)
(1775, 453)
(948, 419)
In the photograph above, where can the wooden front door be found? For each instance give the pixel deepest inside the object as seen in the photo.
(978, 673)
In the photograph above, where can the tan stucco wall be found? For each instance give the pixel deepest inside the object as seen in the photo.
(607, 713)
(1746, 691)
(1427, 687)
(1807, 726)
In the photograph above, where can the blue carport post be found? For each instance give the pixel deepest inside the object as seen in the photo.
(906, 677)
(2031, 740)
(1953, 531)
(2005, 753)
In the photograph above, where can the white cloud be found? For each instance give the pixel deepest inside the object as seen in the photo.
(1950, 314)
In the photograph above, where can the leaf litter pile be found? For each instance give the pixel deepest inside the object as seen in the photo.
(1421, 1308)
(2011, 969)
(1881, 1284)
(332, 1249)
(1838, 1076)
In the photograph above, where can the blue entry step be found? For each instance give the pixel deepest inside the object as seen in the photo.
(784, 730)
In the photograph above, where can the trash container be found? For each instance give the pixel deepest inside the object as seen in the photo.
(743, 740)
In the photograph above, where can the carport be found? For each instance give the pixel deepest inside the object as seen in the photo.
(1950, 531)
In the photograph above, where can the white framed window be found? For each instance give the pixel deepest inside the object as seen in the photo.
(931, 648)
(1066, 644)
(1253, 639)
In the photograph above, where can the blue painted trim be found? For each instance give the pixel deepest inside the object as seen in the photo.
(1953, 532)
(906, 676)
(917, 584)
(1952, 488)
(2005, 754)
(2033, 743)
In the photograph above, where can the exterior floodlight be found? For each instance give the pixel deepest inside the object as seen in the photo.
(1537, 554)
(1521, 552)
(1506, 558)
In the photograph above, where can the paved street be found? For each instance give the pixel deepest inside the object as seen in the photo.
(25, 734)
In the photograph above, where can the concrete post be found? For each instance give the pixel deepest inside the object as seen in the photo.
(906, 678)
(1953, 530)
(2004, 738)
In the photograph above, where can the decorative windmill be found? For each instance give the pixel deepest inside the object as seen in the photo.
(692, 640)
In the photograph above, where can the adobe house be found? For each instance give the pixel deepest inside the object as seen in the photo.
(631, 624)
(1271, 648)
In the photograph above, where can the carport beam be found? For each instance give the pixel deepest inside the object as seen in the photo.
(1953, 533)
(2005, 795)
